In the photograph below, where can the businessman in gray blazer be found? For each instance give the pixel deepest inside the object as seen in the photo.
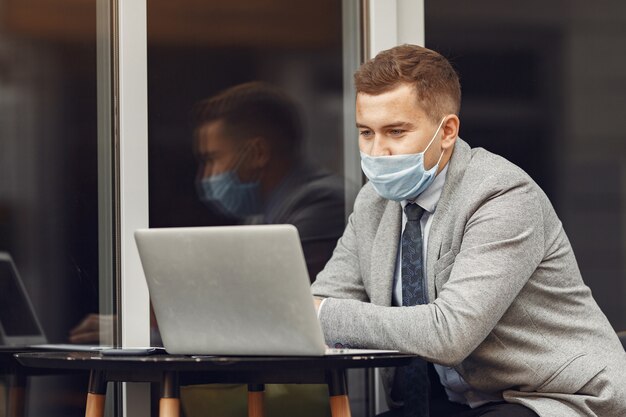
(456, 255)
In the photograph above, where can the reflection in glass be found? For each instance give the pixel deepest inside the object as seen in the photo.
(19, 325)
(212, 163)
(225, 68)
(48, 173)
(248, 143)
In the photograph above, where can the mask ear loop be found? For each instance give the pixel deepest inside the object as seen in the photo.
(440, 156)
(242, 156)
(434, 137)
(246, 150)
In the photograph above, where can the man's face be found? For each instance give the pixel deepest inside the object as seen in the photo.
(218, 153)
(393, 123)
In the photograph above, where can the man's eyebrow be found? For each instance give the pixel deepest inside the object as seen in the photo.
(406, 125)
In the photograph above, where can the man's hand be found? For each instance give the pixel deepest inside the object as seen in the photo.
(94, 328)
(317, 302)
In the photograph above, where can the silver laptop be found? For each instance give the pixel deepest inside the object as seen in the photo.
(232, 290)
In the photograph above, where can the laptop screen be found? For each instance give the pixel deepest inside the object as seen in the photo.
(16, 315)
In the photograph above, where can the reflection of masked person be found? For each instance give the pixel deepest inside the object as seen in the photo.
(247, 141)
(226, 192)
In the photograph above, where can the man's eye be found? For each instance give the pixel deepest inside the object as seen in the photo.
(396, 132)
(365, 133)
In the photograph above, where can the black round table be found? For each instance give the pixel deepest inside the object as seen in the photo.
(17, 375)
(172, 371)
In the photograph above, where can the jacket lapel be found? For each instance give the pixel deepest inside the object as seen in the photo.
(461, 156)
(384, 253)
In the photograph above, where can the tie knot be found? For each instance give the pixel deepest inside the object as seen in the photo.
(413, 212)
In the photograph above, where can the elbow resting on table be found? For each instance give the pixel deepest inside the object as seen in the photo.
(441, 354)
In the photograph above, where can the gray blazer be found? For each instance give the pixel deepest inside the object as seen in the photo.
(510, 310)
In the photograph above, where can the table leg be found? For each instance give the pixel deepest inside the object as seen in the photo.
(169, 404)
(338, 391)
(16, 397)
(96, 394)
(256, 400)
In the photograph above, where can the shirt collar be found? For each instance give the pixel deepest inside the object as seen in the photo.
(429, 198)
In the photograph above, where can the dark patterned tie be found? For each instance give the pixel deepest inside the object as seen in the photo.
(414, 377)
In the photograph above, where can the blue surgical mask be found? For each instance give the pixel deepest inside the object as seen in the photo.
(400, 177)
(226, 192)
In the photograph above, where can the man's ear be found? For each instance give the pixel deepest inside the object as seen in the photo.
(450, 130)
(260, 152)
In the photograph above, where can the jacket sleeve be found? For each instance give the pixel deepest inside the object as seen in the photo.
(502, 246)
(341, 277)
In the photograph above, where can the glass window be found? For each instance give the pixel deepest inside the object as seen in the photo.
(277, 125)
(544, 87)
(245, 126)
(49, 205)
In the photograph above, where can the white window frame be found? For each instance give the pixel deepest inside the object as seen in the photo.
(132, 77)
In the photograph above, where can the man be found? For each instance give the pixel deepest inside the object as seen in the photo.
(456, 255)
(248, 141)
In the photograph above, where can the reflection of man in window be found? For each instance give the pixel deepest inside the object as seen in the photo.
(248, 142)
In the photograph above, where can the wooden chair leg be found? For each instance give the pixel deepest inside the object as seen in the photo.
(340, 406)
(169, 404)
(338, 391)
(256, 400)
(96, 394)
(16, 396)
(95, 405)
(169, 407)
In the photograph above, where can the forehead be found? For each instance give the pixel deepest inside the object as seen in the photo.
(399, 103)
(211, 137)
